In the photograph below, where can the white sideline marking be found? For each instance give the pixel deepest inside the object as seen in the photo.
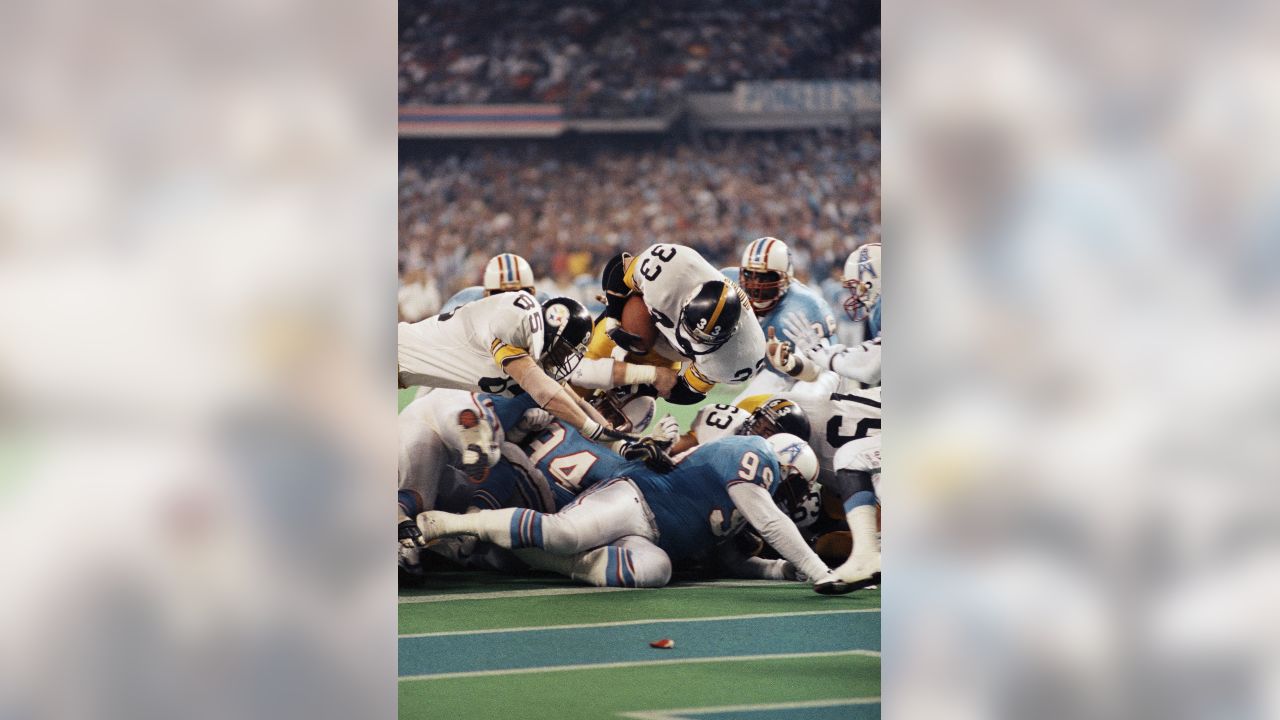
(636, 622)
(636, 663)
(542, 592)
(676, 714)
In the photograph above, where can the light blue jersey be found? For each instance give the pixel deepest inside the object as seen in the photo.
(800, 299)
(873, 319)
(691, 504)
(475, 292)
(572, 463)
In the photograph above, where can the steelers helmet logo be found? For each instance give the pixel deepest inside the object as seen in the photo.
(557, 315)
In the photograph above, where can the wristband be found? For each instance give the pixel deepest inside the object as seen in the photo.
(639, 375)
(591, 429)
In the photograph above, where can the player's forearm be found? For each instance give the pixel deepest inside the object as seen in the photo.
(777, 529)
(548, 393)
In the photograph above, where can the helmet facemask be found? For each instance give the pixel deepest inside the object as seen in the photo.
(855, 306)
(562, 358)
(765, 288)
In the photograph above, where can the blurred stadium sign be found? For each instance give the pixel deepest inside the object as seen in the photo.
(788, 96)
(481, 121)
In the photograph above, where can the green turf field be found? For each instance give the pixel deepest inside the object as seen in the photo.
(483, 645)
(478, 645)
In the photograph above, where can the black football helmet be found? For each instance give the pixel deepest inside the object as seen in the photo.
(566, 329)
(710, 317)
(778, 415)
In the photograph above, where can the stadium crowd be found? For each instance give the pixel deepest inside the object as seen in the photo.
(613, 58)
(567, 205)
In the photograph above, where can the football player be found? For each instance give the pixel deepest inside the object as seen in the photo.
(453, 456)
(627, 531)
(846, 439)
(503, 273)
(699, 316)
(505, 344)
(862, 280)
(767, 276)
(773, 415)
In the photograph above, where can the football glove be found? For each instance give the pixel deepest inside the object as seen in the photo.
(652, 452)
(533, 421)
(808, 340)
(666, 431)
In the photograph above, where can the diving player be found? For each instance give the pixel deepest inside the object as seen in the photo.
(698, 315)
(503, 273)
(505, 344)
(767, 276)
(627, 531)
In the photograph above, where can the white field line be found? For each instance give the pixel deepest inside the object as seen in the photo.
(636, 663)
(677, 714)
(636, 622)
(543, 592)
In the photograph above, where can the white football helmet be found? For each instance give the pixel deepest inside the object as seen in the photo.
(795, 457)
(862, 278)
(507, 272)
(766, 273)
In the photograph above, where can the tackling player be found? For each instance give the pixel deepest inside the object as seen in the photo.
(627, 531)
(505, 344)
(698, 315)
(503, 273)
(767, 276)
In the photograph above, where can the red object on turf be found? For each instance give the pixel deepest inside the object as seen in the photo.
(637, 321)
(663, 644)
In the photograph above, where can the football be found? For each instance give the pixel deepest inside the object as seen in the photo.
(637, 321)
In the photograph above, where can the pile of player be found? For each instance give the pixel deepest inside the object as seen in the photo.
(532, 443)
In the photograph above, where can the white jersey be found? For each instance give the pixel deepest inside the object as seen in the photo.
(717, 421)
(466, 349)
(667, 275)
(837, 419)
(431, 442)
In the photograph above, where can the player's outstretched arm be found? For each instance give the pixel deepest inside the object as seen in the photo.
(557, 400)
(756, 505)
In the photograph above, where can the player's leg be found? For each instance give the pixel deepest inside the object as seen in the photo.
(631, 561)
(599, 516)
(855, 462)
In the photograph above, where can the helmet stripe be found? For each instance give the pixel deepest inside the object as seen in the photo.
(511, 267)
(715, 314)
(764, 255)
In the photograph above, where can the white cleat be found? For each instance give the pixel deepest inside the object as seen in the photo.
(857, 573)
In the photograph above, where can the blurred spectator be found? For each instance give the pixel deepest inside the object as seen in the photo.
(611, 58)
(566, 205)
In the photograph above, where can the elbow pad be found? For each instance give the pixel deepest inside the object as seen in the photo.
(613, 282)
(683, 394)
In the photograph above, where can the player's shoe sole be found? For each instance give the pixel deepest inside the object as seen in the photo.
(840, 587)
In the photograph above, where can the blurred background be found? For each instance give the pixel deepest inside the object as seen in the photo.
(198, 265)
(565, 132)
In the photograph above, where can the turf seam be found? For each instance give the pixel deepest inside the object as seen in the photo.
(619, 623)
(637, 663)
